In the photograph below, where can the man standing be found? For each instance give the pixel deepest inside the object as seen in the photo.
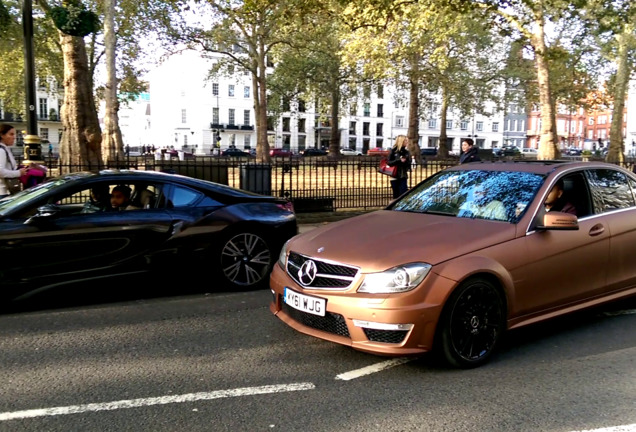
(470, 153)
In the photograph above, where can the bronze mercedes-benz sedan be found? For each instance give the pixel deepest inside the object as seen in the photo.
(468, 253)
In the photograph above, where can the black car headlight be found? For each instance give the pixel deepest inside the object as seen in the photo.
(395, 280)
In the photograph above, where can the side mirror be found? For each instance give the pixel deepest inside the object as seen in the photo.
(45, 214)
(559, 221)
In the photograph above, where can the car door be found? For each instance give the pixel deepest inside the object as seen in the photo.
(62, 246)
(562, 267)
(613, 198)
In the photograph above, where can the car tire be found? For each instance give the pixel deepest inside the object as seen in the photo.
(471, 324)
(245, 259)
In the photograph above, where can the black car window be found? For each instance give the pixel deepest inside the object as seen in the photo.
(610, 190)
(183, 197)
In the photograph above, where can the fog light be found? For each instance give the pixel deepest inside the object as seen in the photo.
(381, 326)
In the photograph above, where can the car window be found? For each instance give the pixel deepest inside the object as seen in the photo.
(610, 190)
(493, 195)
(183, 197)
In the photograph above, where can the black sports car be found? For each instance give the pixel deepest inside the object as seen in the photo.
(59, 234)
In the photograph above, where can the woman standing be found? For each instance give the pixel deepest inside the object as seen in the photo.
(400, 156)
(8, 167)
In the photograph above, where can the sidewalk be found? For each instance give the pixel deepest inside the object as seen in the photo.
(309, 221)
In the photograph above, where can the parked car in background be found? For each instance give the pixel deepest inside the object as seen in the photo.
(234, 152)
(279, 152)
(378, 151)
(463, 256)
(428, 151)
(54, 236)
(313, 152)
(507, 151)
(573, 151)
(529, 152)
(350, 152)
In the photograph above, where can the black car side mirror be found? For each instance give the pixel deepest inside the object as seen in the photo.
(45, 214)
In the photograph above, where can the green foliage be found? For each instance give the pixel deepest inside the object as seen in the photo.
(75, 20)
(5, 18)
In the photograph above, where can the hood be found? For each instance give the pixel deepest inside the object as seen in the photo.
(383, 239)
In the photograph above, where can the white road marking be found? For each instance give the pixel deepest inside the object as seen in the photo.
(621, 312)
(373, 368)
(162, 400)
(623, 428)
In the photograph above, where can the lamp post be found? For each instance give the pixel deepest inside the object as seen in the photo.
(32, 143)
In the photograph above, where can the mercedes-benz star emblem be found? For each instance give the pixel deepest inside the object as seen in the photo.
(307, 272)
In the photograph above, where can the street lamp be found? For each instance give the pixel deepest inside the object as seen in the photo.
(32, 143)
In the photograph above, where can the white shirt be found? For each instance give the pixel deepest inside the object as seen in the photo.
(8, 167)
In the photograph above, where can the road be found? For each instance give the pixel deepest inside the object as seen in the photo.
(222, 362)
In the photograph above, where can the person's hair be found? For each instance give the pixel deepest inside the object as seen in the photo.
(401, 141)
(559, 184)
(4, 128)
(469, 141)
(124, 190)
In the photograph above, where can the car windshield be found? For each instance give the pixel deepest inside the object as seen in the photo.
(492, 195)
(31, 193)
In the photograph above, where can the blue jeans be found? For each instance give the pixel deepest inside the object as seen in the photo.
(399, 186)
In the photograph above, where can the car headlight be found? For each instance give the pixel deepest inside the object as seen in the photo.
(282, 256)
(395, 280)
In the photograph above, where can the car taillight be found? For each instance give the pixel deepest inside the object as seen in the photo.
(288, 206)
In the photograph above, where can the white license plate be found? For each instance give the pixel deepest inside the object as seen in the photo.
(305, 303)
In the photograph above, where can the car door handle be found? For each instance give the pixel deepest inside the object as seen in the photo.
(597, 230)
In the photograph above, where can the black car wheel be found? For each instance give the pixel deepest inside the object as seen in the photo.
(246, 259)
(472, 323)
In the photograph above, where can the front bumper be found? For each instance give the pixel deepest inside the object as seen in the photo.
(387, 324)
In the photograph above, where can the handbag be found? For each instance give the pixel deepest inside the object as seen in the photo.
(385, 169)
(13, 185)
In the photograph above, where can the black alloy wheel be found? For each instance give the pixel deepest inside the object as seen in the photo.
(472, 323)
(246, 259)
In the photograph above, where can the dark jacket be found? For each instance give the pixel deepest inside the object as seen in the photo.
(561, 205)
(394, 159)
(472, 155)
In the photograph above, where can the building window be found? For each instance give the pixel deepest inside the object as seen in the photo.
(380, 110)
(367, 109)
(449, 124)
(185, 140)
(590, 134)
(302, 125)
(230, 90)
(479, 126)
(463, 125)
(44, 133)
(286, 105)
(380, 91)
(215, 89)
(495, 126)
(286, 124)
(352, 128)
(44, 108)
(432, 123)
(215, 115)
(366, 91)
(183, 116)
(231, 114)
(301, 105)
(602, 119)
(246, 117)
(302, 142)
(247, 141)
(365, 128)
(246, 91)
(399, 121)
(378, 130)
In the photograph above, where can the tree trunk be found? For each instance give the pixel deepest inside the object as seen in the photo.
(112, 145)
(334, 139)
(260, 111)
(414, 117)
(548, 145)
(81, 137)
(616, 153)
